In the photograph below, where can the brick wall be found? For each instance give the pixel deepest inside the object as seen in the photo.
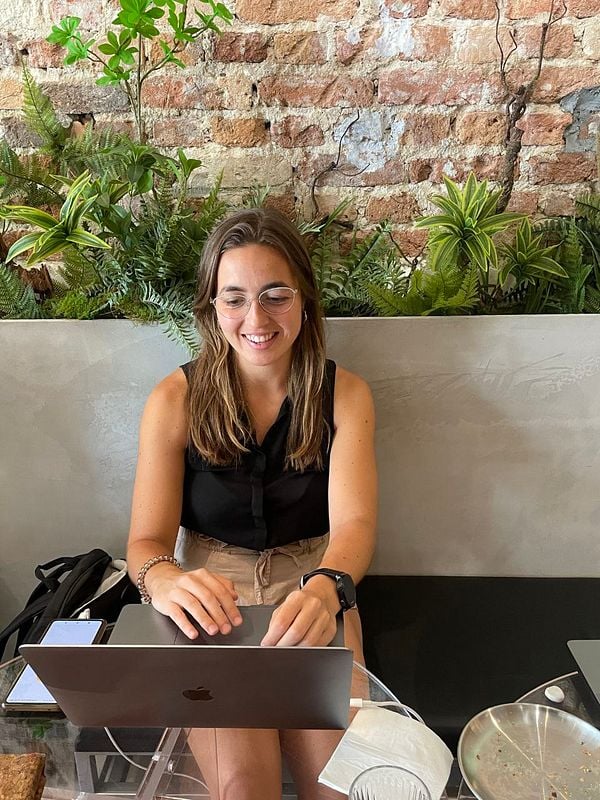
(269, 100)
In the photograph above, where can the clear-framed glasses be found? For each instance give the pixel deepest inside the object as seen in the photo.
(235, 305)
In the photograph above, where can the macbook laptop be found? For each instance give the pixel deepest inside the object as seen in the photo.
(151, 675)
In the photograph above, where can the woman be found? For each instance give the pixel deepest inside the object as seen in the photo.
(262, 451)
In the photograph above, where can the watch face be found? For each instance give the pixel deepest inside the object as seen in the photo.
(349, 590)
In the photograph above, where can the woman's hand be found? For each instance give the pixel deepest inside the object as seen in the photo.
(201, 595)
(305, 618)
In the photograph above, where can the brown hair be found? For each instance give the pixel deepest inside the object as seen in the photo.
(219, 422)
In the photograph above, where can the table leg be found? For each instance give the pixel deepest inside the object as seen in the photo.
(159, 763)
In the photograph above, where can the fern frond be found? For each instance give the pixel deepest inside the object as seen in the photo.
(26, 177)
(103, 153)
(17, 299)
(41, 116)
(592, 300)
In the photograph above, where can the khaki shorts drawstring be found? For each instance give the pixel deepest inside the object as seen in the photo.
(262, 570)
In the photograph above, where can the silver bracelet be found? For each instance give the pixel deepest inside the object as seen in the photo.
(152, 562)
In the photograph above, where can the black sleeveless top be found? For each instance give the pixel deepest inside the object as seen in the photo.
(258, 504)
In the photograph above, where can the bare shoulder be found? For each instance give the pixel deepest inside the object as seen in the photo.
(166, 407)
(352, 397)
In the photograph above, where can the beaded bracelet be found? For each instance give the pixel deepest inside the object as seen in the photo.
(152, 562)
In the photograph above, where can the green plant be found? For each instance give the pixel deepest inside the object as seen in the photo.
(346, 269)
(119, 215)
(463, 233)
(527, 260)
(127, 55)
(56, 234)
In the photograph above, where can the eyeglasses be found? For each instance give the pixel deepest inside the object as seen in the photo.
(235, 305)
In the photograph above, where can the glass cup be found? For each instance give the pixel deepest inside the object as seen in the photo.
(388, 783)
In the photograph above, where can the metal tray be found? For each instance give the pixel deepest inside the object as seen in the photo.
(522, 751)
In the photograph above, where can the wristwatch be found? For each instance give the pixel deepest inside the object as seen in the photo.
(344, 584)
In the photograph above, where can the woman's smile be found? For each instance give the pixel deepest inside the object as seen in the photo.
(259, 338)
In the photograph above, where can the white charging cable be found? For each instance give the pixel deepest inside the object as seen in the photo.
(359, 702)
(144, 768)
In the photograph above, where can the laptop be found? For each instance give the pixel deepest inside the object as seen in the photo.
(586, 653)
(151, 675)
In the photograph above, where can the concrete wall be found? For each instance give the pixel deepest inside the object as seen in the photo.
(487, 439)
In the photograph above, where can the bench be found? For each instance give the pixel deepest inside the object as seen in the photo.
(452, 646)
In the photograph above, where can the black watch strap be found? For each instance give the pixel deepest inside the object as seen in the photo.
(344, 585)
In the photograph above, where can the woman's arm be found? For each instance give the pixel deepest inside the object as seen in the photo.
(307, 616)
(155, 515)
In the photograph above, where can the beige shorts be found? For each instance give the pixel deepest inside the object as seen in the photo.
(260, 577)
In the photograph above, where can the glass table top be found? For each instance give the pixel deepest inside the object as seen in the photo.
(79, 763)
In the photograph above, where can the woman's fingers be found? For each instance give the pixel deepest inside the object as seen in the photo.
(302, 619)
(207, 598)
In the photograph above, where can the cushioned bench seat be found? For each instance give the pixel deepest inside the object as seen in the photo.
(451, 646)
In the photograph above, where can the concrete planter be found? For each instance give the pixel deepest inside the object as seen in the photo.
(488, 440)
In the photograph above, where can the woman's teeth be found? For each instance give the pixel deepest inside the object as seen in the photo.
(259, 339)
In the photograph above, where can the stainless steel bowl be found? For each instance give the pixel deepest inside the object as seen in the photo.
(522, 751)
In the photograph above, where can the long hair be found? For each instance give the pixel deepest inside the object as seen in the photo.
(219, 421)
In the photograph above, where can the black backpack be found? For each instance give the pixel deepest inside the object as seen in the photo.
(67, 586)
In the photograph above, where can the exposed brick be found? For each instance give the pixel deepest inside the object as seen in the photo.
(353, 45)
(395, 171)
(557, 204)
(41, 53)
(477, 45)
(425, 129)
(311, 165)
(564, 168)
(299, 48)
(417, 85)
(402, 9)
(238, 170)
(397, 207)
(544, 127)
(17, 134)
(247, 47)
(249, 132)
(285, 203)
(8, 51)
(10, 93)
(523, 202)
(468, 9)
(425, 169)
(90, 14)
(480, 127)
(559, 42)
(412, 242)
(556, 82)
(419, 42)
(192, 55)
(324, 92)
(276, 12)
(327, 204)
(431, 42)
(485, 166)
(82, 98)
(19, 16)
(125, 126)
(583, 8)
(180, 132)
(525, 9)
(164, 91)
(591, 39)
(296, 131)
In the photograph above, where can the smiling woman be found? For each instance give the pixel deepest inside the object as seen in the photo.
(262, 451)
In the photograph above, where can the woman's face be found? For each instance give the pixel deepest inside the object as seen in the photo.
(259, 338)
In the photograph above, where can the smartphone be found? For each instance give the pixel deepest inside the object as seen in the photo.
(28, 693)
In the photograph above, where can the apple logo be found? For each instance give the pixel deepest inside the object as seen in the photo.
(199, 693)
